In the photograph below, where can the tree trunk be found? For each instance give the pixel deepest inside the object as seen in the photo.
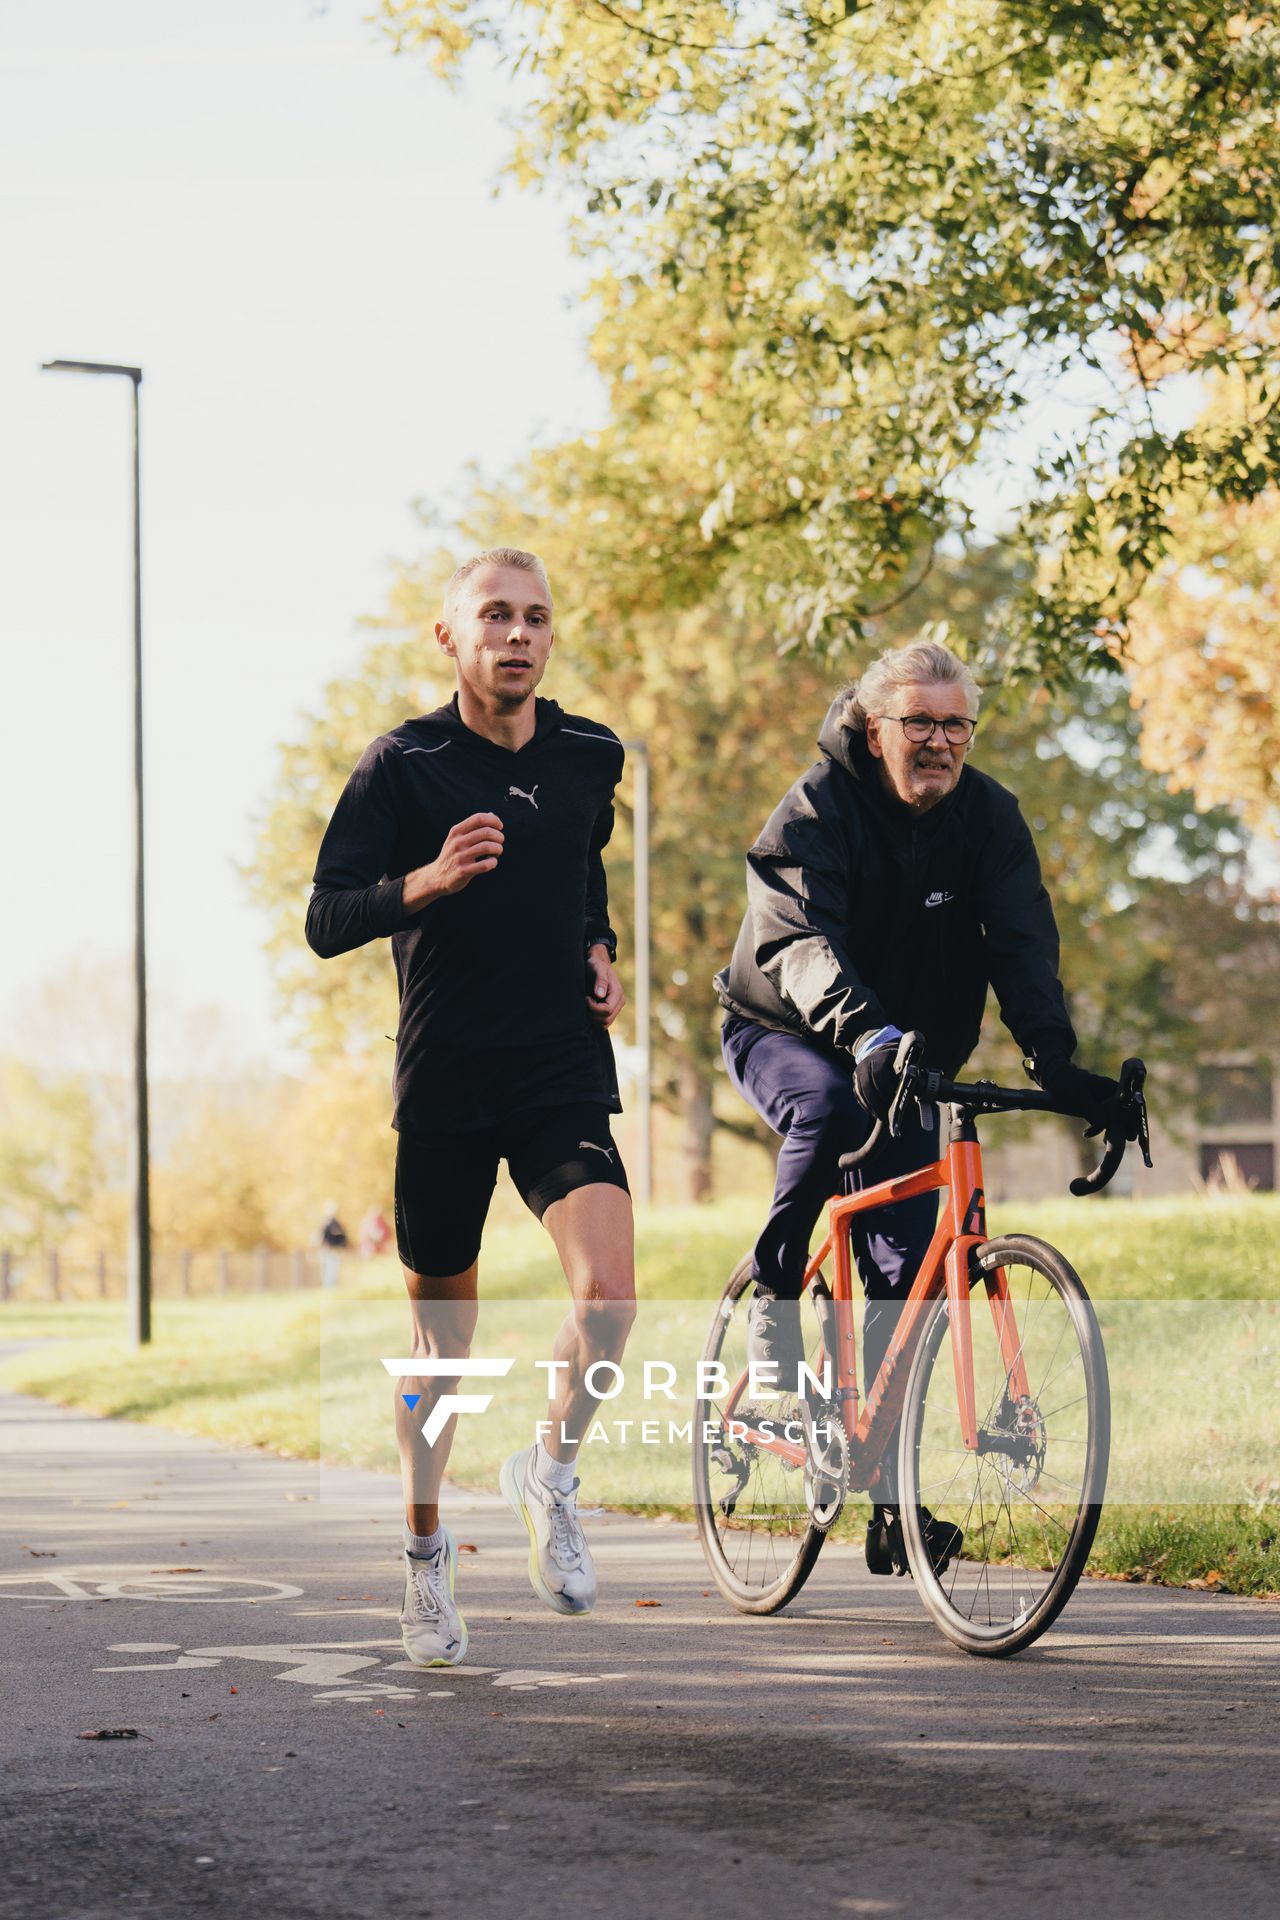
(699, 1124)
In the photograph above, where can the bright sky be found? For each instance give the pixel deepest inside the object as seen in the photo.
(294, 234)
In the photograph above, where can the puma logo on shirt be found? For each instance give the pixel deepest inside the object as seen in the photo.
(939, 899)
(606, 1151)
(520, 794)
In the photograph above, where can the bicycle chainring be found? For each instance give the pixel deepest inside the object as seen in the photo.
(826, 1472)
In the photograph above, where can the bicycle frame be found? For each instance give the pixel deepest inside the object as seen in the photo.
(947, 1267)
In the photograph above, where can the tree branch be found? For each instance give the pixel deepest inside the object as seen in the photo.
(718, 46)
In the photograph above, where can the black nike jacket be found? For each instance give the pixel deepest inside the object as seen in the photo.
(862, 914)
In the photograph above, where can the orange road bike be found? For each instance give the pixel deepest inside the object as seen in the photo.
(995, 1382)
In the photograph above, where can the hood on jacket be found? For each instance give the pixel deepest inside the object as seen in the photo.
(839, 743)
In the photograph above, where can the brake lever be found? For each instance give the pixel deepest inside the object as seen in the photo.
(905, 1062)
(1133, 1078)
(1144, 1136)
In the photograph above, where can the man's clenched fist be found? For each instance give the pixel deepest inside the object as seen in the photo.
(605, 997)
(473, 847)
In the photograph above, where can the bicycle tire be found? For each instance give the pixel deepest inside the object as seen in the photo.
(1030, 1612)
(764, 1595)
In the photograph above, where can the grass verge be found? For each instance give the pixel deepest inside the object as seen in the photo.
(278, 1372)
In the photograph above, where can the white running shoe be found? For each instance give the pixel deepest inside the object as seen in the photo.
(560, 1566)
(433, 1631)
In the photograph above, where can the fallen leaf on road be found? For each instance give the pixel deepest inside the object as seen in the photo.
(177, 1569)
(47, 1553)
(465, 1546)
(1212, 1578)
(648, 1603)
(112, 1733)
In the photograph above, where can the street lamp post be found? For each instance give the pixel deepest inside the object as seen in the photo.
(140, 1151)
(644, 1182)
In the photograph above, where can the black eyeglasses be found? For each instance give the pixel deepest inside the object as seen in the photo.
(956, 730)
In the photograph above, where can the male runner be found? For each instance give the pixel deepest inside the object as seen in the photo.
(891, 885)
(473, 836)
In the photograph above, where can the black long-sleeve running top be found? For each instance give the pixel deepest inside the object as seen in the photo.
(493, 986)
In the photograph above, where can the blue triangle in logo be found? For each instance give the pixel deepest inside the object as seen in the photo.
(411, 1400)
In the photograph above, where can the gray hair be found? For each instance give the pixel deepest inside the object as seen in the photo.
(923, 662)
(495, 557)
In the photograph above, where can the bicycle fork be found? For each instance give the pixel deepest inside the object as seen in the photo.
(968, 1227)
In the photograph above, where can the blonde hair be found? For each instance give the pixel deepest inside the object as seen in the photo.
(494, 557)
(923, 662)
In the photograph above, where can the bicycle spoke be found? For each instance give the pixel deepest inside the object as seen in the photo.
(1021, 1502)
(1062, 1409)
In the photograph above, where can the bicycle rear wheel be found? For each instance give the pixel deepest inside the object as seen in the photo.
(753, 1516)
(1028, 1502)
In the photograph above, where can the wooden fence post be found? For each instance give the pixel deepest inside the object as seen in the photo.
(6, 1270)
(184, 1272)
(55, 1275)
(102, 1273)
(224, 1272)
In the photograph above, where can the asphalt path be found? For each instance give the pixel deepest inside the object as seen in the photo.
(239, 1611)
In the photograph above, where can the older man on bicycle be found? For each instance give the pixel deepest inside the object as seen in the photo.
(891, 886)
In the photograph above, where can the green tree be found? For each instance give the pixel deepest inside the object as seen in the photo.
(49, 1168)
(1205, 660)
(846, 248)
(1165, 951)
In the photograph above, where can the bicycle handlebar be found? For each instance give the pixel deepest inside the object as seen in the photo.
(926, 1086)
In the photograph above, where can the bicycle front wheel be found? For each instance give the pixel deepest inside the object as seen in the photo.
(1028, 1501)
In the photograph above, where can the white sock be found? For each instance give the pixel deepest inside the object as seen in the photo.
(552, 1472)
(422, 1545)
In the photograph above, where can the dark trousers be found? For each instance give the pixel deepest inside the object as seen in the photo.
(808, 1098)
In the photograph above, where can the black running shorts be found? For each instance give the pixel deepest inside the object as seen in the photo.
(445, 1181)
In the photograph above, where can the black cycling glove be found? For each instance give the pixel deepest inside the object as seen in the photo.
(1093, 1096)
(874, 1080)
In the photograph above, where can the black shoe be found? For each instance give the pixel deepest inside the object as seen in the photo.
(886, 1550)
(773, 1337)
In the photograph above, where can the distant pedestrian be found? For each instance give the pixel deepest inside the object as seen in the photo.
(375, 1234)
(333, 1239)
